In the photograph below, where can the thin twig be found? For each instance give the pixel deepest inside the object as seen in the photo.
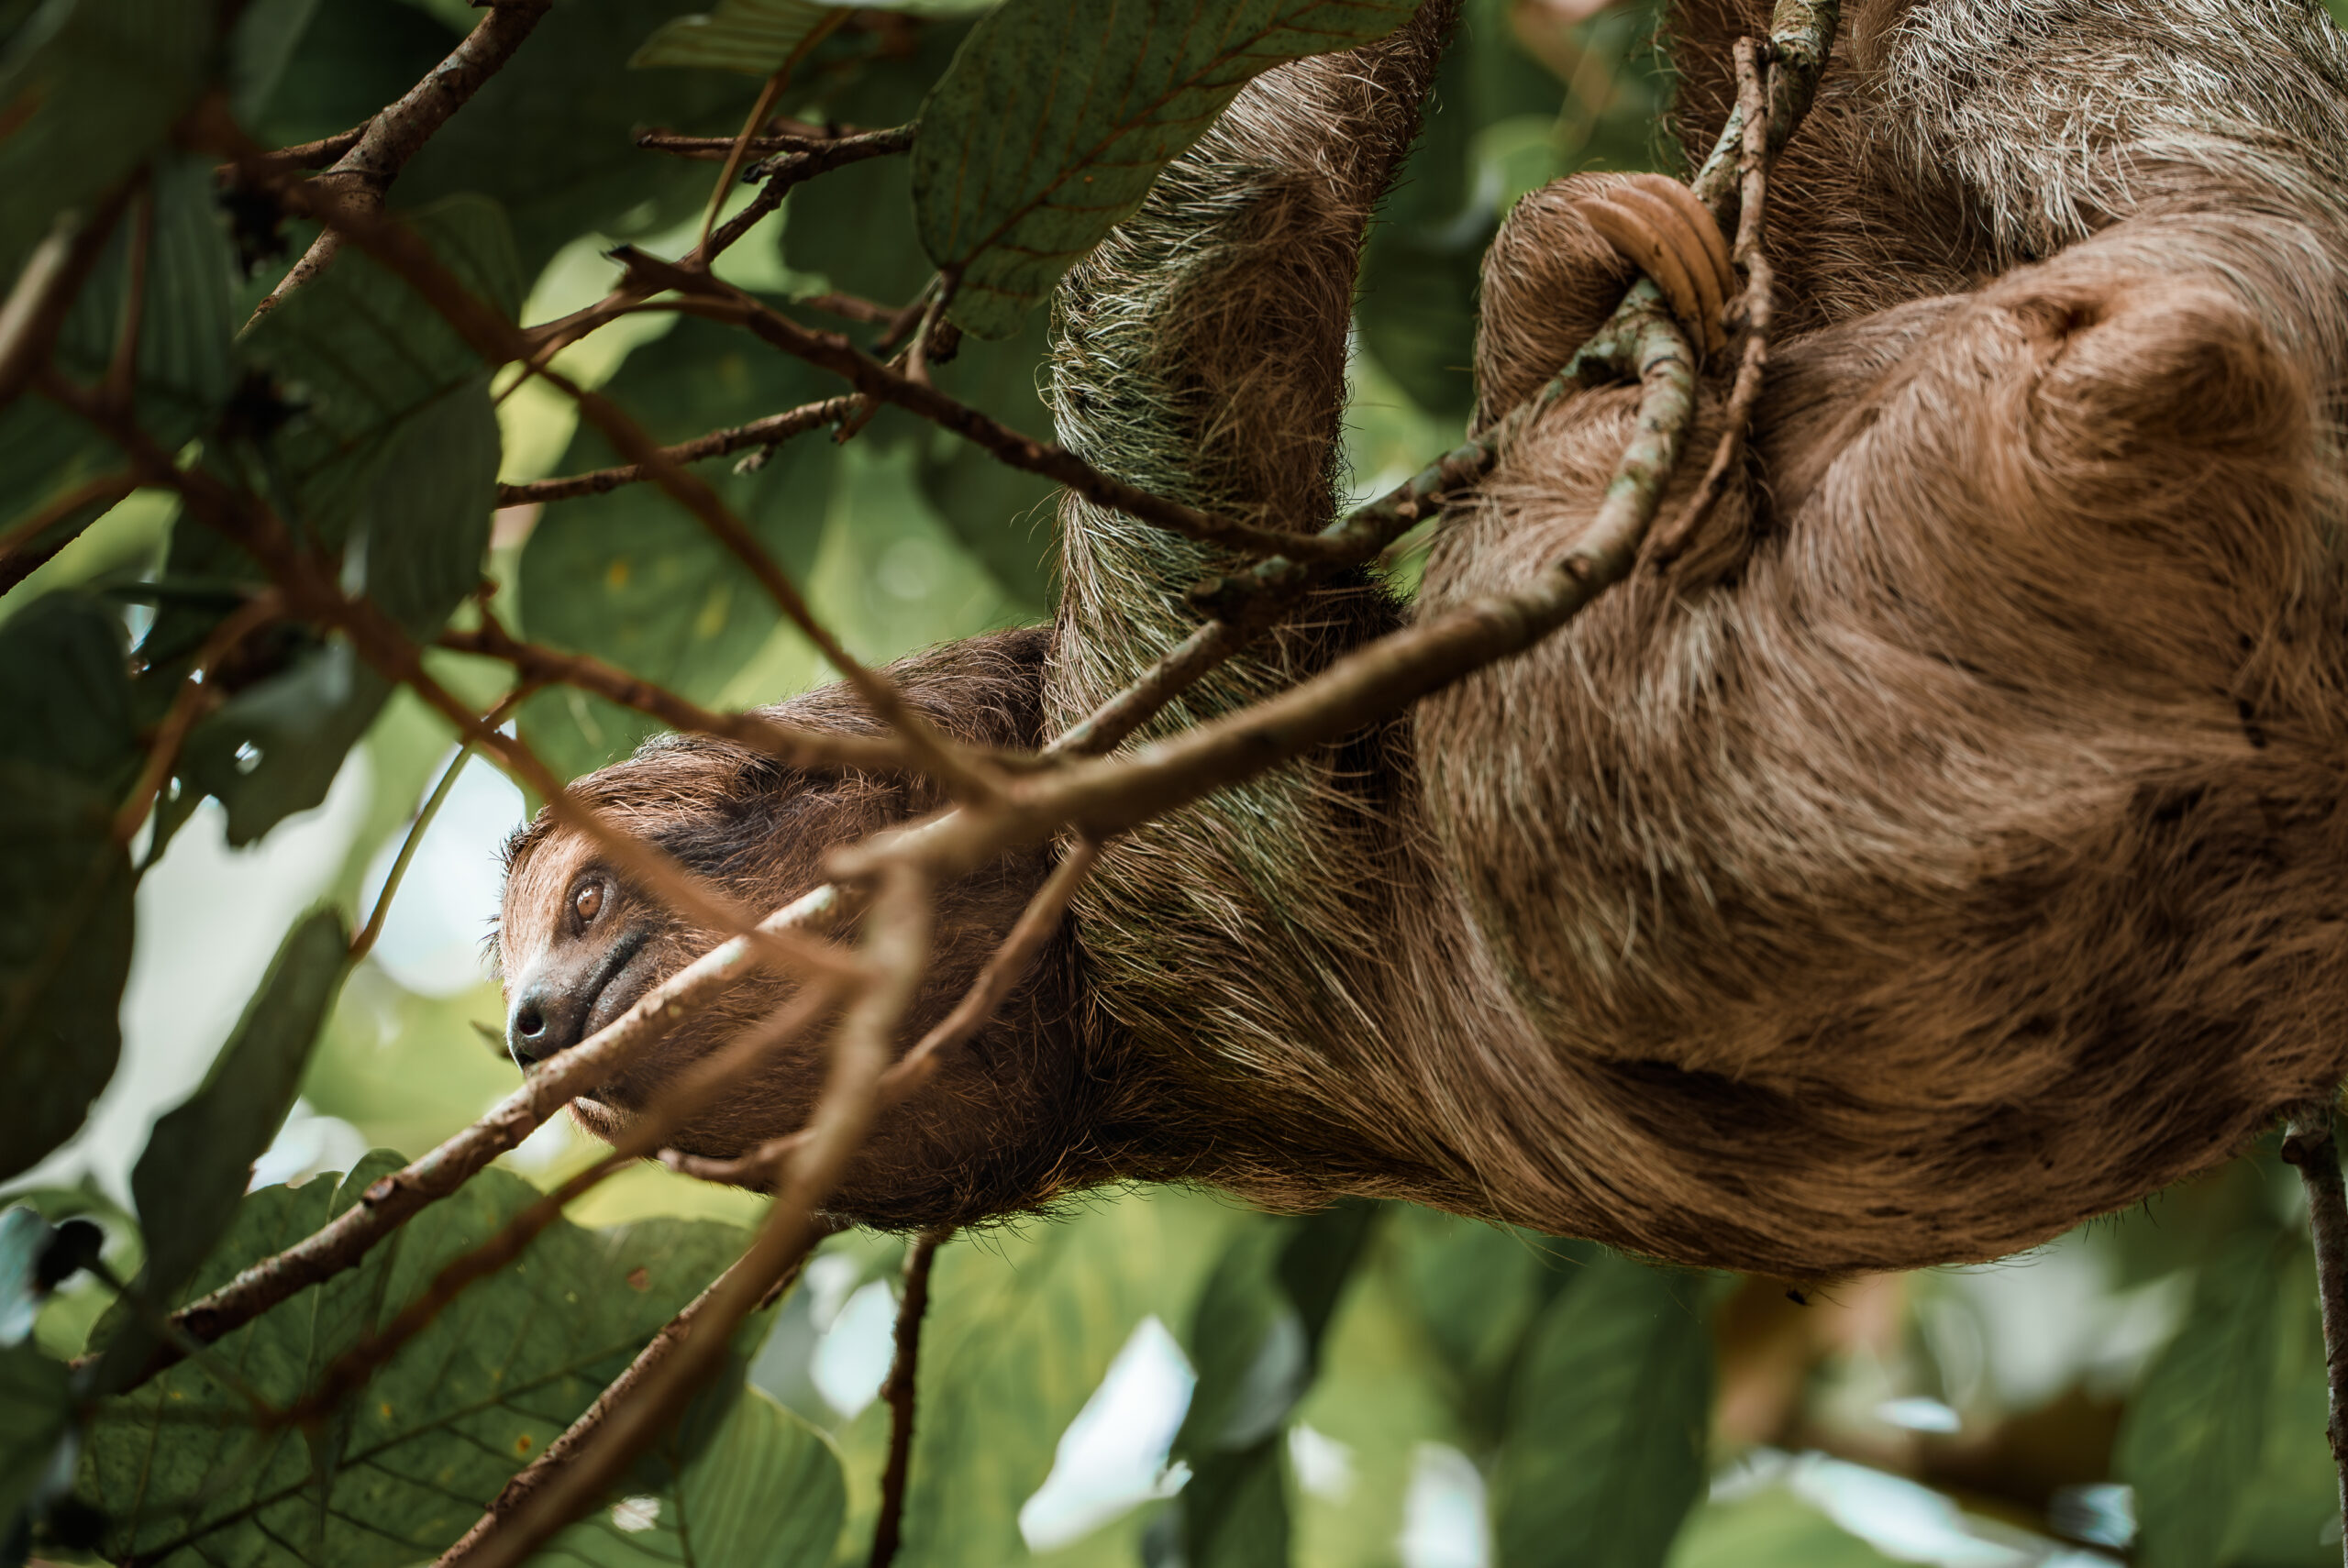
(19, 560)
(1758, 307)
(312, 154)
(799, 746)
(365, 940)
(904, 1370)
(122, 366)
(33, 312)
(771, 431)
(688, 1097)
(830, 351)
(2308, 1144)
(1004, 971)
(558, 1454)
(781, 135)
(896, 946)
(195, 697)
(364, 174)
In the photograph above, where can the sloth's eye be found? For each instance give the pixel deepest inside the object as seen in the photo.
(588, 902)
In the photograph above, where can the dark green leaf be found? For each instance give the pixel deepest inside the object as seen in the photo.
(357, 351)
(36, 1416)
(89, 88)
(411, 1459)
(354, 56)
(2191, 1440)
(1004, 516)
(1606, 1432)
(631, 577)
(552, 136)
(1055, 120)
(753, 36)
(1256, 1341)
(67, 751)
(191, 1179)
(762, 1490)
(185, 363)
(266, 34)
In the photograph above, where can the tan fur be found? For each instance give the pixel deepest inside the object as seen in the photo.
(1944, 850)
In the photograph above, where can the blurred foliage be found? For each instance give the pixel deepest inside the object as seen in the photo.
(1151, 1377)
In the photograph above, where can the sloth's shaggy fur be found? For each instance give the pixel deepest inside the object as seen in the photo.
(1947, 848)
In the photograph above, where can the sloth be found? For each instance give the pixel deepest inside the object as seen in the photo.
(1945, 846)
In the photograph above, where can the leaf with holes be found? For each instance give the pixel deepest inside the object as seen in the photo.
(404, 1464)
(1056, 118)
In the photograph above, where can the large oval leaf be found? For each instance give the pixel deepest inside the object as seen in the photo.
(1055, 120)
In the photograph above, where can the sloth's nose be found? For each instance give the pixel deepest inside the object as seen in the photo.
(544, 1021)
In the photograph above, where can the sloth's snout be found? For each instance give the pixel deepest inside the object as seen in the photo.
(544, 1020)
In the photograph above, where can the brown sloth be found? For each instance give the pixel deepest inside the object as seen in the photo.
(1944, 848)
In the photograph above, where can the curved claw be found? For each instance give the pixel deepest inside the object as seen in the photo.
(1660, 227)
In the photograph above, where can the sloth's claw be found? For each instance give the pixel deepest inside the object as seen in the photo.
(1660, 227)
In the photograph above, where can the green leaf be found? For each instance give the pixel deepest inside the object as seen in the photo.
(185, 361)
(552, 136)
(1477, 1290)
(36, 1416)
(67, 751)
(191, 1179)
(1606, 1432)
(1769, 1529)
(1004, 516)
(762, 1490)
(88, 89)
(1022, 1327)
(1055, 120)
(357, 351)
(631, 577)
(354, 56)
(407, 1462)
(753, 36)
(2192, 1438)
(261, 46)
(1256, 1341)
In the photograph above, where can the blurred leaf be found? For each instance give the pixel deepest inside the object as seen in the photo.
(24, 1237)
(1001, 515)
(1770, 1528)
(66, 752)
(1023, 1326)
(762, 1490)
(631, 577)
(552, 136)
(1256, 1341)
(2191, 1439)
(1054, 121)
(753, 36)
(354, 56)
(261, 45)
(88, 88)
(274, 748)
(1606, 1434)
(186, 363)
(407, 1464)
(35, 1415)
(192, 1178)
(1477, 1290)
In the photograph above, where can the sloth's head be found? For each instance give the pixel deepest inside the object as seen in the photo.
(577, 944)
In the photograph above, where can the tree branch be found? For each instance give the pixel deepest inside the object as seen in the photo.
(384, 146)
(904, 1369)
(2308, 1144)
(833, 352)
(771, 431)
(896, 946)
(796, 745)
(51, 280)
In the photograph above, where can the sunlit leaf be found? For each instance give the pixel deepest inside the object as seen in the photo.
(406, 1464)
(760, 1490)
(1055, 120)
(1606, 1432)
